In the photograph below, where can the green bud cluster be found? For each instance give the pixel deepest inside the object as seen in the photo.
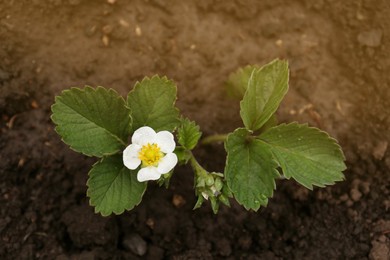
(211, 186)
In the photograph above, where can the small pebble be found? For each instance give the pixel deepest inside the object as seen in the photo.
(138, 31)
(105, 40)
(34, 104)
(355, 194)
(279, 43)
(150, 223)
(178, 201)
(135, 244)
(124, 23)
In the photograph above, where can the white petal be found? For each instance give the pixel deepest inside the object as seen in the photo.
(143, 135)
(148, 173)
(130, 156)
(165, 141)
(167, 163)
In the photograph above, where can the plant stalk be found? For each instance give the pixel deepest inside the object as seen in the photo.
(195, 164)
(214, 139)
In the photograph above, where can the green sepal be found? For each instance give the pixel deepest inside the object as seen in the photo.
(199, 202)
(165, 179)
(214, 204)
(225, 200)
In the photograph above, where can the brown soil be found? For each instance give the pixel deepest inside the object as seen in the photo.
(338, 54)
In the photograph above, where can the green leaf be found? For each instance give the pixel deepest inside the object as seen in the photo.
(182, 154)
(188, 134)
(112, 188)
(238, 81)
(152, 103)
(306, 154)
(95, 122)
(266, 89)
(250, 170)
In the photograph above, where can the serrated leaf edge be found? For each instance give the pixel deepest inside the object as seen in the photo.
(231, 190)
(333, 140)
(182, 125)
(258, 69)
(138, 85)
(115, 212)
(86, 87)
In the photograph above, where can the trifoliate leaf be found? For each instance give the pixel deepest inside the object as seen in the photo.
(188, 134)
(266, 89)
(306, 154)
(238, 81)
(95, 122)
(152, 103)
(112, 188)
(250, 170)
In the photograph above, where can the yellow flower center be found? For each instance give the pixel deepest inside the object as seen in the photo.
(150, 154)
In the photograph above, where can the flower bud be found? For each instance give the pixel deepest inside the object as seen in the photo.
(218, 184)
(200, 183)
(209, 180)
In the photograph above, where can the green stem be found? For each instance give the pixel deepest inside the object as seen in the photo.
(214, 138)
(195, 164)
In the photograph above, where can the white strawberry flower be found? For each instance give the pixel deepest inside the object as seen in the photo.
(153, 151)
